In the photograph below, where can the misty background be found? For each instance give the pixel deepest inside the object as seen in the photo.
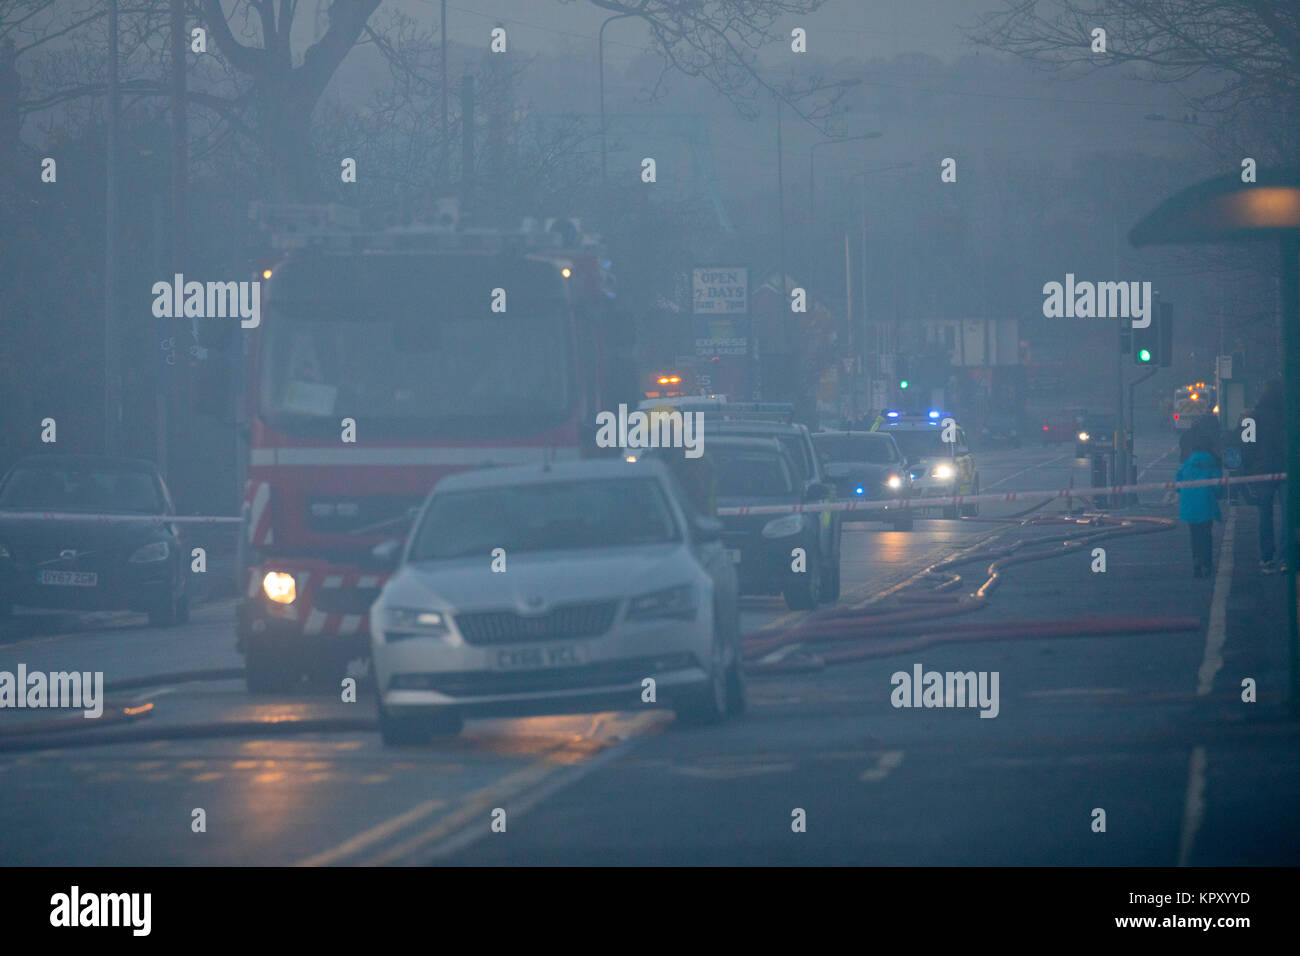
(1056, 160)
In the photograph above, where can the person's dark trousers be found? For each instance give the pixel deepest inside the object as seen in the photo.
(1264, 493)
(1202, 543)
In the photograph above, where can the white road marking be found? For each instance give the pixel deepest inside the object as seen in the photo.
(159, 692)
(1217, 632)
(1041, 464)
(887, 761)
(1193, 804)
(780, 653)
(1172, 448)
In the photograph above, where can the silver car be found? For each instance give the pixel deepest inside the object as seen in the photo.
(576, 587)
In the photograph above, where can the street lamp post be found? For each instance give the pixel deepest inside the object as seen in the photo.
(862, 337)
(812, 165)
(600, 58)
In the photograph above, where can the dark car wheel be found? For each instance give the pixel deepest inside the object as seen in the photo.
(903, 524)
(175, 609)
(266, 674)
(400, 731)
(737, 698)
(831, 586)
(709, 706)
(804, 592)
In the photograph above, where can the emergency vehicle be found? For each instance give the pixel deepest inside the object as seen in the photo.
(1191, 402)
(384, 361)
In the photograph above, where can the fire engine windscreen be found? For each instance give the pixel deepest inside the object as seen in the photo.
(409, 345)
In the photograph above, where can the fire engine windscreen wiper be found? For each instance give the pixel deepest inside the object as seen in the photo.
(386, 523)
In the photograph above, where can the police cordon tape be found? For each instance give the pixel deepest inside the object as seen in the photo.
(893, 504)
(111, 518)
(906, 504)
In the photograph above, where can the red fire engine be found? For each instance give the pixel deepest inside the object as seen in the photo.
(382, 362)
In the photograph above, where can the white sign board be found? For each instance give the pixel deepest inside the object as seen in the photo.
(1225, 366)
(720, 291)
(722, 346)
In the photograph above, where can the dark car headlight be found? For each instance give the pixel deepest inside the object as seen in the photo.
(783, 527)
(154, 551)
(4, 552)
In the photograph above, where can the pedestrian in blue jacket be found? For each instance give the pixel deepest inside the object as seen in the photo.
(1199, 507)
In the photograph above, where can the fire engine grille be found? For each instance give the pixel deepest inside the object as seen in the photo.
(345, 600)
(505, 627)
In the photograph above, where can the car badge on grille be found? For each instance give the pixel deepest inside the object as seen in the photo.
(67, 554)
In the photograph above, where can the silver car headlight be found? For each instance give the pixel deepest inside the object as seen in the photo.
(783, 527)
(402, 622)
(1084, 436)
(895, 482)
(157, 551)
(943, 472)
(679, 602)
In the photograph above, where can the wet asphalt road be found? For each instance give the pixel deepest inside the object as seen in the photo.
(1128, 723)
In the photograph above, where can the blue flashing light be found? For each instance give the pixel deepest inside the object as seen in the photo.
(891, 414)
(859, 491)
(933, 413)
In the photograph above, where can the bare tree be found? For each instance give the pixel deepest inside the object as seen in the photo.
(719, 40)
(1238, 60)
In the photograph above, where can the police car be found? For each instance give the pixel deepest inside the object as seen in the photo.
(938, 458)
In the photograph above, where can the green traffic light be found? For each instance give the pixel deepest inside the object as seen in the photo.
(903, 384)
(1144, 355)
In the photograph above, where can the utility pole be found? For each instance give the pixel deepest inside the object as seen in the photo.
(467, 143)
(446, 132)
(112, 375)
(180, 231)
(780, 196)
(848, 328)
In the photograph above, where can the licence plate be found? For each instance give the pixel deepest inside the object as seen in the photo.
(81, 579)
(528, 658)
(735, 555)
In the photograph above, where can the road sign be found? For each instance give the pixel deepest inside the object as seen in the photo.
(1225, 366)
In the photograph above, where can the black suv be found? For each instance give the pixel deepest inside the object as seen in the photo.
(867, 466)
(797, 443)
(758, 471)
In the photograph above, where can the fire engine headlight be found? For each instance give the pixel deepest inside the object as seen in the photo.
(1084, 436)
(157, 551)
(783, 527)
(943, 472)
(894, 482)
(280, 587)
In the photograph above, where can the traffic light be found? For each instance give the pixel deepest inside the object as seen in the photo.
(901, 367)
(1153, 346)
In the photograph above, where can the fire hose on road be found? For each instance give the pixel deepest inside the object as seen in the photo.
(873, 633)
(868, 630)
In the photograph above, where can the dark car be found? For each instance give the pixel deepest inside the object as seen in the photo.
(1096, 434)
(91, 563)
(796, 440)
(870, 467)
(1002, 426)
(754, 472)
